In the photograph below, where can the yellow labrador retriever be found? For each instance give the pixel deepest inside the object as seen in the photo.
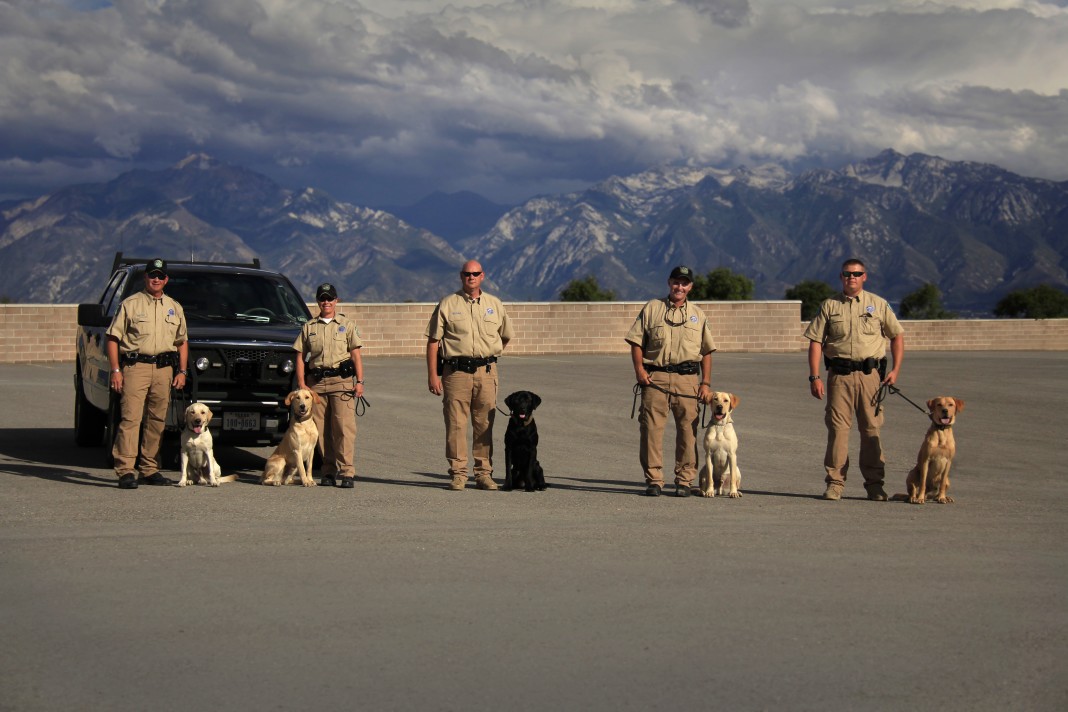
(197, 457)
(721, 450)
(931, 473)
(294, 454)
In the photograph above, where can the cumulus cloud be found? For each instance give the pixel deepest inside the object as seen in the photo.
(386, 100)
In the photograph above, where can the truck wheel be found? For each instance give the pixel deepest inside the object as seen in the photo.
(88, 420)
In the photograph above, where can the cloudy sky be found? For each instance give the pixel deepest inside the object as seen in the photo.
(384, 101)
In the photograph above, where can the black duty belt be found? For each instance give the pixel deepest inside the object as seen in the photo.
(844, 367)
(345, 369)
(469, 365)
(169, 358)
(686, 368)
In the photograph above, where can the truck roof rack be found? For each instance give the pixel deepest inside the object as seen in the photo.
(120, 259)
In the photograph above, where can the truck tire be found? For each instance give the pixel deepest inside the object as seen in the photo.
(88, 420)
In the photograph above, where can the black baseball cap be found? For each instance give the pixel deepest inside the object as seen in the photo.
(156, 265)
(326, 290)
(681, 272)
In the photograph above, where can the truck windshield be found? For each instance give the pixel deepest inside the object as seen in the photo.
(236, 297)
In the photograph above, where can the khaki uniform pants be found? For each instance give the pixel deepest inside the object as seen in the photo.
(335, 418)
(652, 419)
(146, 393)
(469, 396)
(846, 395)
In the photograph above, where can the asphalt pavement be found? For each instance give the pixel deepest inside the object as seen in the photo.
(402, 595)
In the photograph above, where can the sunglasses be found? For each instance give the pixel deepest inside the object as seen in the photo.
(470, 274)
(846, 274)
(324, 298)
(156, 275)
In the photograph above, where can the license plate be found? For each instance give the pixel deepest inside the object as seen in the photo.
(241, 420)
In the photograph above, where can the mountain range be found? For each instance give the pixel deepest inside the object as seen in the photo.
(975, 230)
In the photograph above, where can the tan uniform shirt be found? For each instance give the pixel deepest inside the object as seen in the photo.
(328, 343)
(854, 328)
(475, 328)
(148, 326)
(669, 335)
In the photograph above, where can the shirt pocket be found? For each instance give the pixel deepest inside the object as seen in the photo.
(459, 324)
(691, 331)
(871, 326)
(655, 342)
(490, 316)
(837, 329)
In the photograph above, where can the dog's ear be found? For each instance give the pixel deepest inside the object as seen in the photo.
(960, 404)
(315, 397)
(207, 412)
(734, 401)
(930, 404)
(508, 401)
(535, 400)
(289, 398)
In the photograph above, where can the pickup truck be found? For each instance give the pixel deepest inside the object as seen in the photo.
(242, 323)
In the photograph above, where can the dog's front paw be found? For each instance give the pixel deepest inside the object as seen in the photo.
(917, 500)
(734, 494)
(309, 483)
(945, 499)
(708, 493)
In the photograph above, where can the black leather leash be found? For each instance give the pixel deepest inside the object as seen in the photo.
(362, 403)
(886, 389)
(638, 392)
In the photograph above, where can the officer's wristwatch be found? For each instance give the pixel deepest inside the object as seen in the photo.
(813, 379)
(183, 372)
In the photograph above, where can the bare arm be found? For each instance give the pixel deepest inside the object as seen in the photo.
(815, 356)
(640, 374)
(433, 380)
(897, 352)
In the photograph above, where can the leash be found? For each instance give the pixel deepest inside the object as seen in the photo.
(362, 404)
(886, 389)
(638, 392)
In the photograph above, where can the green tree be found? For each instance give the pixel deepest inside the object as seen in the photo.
(722, 285)
(924, 303)
(811, 292)
(1041, 302)
(586, 290)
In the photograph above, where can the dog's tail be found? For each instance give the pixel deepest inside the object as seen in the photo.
(228, 478)
(900, 498)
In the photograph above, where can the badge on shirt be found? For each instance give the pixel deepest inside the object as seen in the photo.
(170, 312)
(489, 310)
(693, 319)
(870, 309)
(341, 330)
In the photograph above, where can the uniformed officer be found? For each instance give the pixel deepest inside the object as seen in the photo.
(671, 348)
(330, 359)
(849, 334)
(466, 333)
(148, 353)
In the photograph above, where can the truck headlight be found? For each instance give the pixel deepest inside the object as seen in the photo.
(202, 363)
(287, 366)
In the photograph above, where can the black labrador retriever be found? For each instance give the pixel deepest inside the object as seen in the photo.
(521, 465)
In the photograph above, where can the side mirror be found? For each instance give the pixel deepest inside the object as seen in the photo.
(92, 315)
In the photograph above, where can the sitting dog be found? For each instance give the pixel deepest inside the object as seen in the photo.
(521, 465)
(198, 464)
(721, 450)
(930, 476)
(294, 454)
